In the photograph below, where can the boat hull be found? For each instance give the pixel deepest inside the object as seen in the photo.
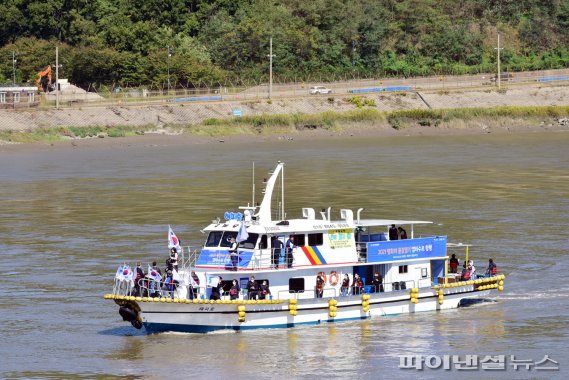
(206, 316)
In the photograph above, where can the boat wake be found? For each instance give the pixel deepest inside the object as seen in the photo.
(467, 302)
(560, 293)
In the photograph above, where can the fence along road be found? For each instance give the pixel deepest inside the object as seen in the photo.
(136, 97)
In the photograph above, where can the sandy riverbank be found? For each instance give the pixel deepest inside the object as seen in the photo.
(356, 131)
(158, 119)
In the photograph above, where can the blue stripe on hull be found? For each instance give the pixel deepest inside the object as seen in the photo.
(152, 328)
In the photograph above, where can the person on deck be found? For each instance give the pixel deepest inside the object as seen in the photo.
(402, 233)
(156, 268)
(169, 264)
(276, 246)
(289, 247)
(472, 269)
(377, 283)
(465, 275)
(264, 291)
(216, 291)
(138, 280)
(170, 284)
(233, 252)
(358, 285)
(492, 268)
(174, 258)
(345, 288)
(252, 289)
(453, 264)
(393, 234)
(155, 284)
(319, 287)
(194, 288)
(234, 291)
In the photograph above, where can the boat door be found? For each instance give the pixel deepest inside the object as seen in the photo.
(438, 269)
(264, 251)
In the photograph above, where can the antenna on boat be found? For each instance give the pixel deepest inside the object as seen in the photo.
(359, 212)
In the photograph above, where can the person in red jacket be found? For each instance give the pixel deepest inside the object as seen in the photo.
(319, 287)
(358, 285)
(453, 263)
(492, 268)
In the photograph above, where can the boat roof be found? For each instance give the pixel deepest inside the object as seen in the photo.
(458, 245)
(307, 225)
(388, 222)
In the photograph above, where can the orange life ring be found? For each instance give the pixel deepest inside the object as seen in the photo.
(323, 275)
(333, 278)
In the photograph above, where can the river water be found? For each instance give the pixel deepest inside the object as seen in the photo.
(70, 216)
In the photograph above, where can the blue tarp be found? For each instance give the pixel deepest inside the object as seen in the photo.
(194, 98)
(385, 251)
(381, 89)
(551, 79)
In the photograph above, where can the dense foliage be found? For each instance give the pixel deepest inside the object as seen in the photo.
(198, 42)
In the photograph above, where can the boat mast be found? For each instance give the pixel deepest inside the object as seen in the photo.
(282, 195)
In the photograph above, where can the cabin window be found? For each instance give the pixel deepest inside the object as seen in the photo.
(2, 97)
(16, 97)
(214, 238)
(263, 242)
(315, 239)
(296, 285)
(250, 242)
(227, 235)
(403, 269)
(299, 240)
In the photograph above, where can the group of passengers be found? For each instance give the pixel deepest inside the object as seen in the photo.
(358, 287)
(469, 270)
(277, 247)
(397, 233)
(154, 283)
(255, 290)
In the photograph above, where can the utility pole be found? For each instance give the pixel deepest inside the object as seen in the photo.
(14, 68)
(168, 63)
(271, 55)
(56, 77)
(498, 78)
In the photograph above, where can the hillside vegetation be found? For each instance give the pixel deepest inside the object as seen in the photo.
(210, 42)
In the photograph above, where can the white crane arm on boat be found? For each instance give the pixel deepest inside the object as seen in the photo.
(264, 214)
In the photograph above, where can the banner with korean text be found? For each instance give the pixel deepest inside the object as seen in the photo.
(221, 258)
(408, 249)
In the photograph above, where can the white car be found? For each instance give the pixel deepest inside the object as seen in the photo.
(320, 90)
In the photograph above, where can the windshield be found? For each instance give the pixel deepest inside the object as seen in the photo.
(213, 238)
(225, 239)
(221, 239)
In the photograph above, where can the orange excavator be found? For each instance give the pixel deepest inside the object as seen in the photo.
(42, 74)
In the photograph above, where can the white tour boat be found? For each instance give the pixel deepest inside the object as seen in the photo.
(413, 272)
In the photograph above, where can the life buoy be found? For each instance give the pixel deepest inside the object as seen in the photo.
(323, 275)
(333, 278)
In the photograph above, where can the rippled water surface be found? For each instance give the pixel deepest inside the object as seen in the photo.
(70, 216)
